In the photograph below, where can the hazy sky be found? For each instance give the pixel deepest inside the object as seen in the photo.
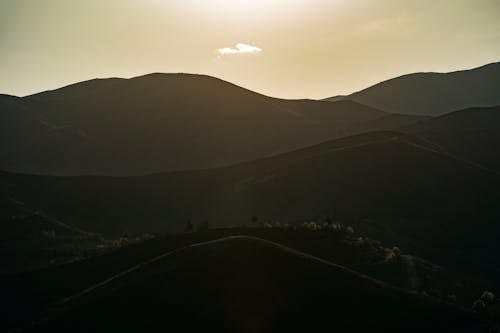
(283, 48)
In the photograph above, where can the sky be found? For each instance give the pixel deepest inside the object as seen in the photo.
(282, 48)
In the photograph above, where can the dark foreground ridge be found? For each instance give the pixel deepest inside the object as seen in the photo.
(247, 284)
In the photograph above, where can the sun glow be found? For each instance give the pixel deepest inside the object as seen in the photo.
(245, 8)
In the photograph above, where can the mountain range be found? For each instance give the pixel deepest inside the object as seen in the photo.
(124, 127)
(234, 211)
(165, 122)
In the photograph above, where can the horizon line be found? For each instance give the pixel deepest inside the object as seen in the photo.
(240, 86)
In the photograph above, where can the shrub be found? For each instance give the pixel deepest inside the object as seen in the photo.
(478, 305)
(488, 297)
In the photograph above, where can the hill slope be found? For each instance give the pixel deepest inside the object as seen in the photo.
(251, 285)
(394, 187)
(378, 175)
(165, 122)
(32, 239)
(433, 94)
(473, 134)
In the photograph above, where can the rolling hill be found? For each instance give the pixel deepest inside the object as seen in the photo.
(377, 175)
(246, 284)
(28, 296)
(433, 94)
(166, 122)
(472, 134)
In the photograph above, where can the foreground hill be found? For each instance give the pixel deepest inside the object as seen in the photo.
(472, 134)
(433, 94)
(250, 285)
(26, 295)
(164, 122)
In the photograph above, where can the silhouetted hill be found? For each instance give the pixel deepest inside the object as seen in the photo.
(377, 175)
(165, 122)
(26, 295)
(434, 93)
(472, 134)
(28, 137)
(243, 284)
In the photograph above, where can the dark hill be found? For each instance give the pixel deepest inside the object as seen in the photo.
(165, 122)
(394, 187)
(243, 284)
(378, 175)
(30, 239)
(30, 138)
(472, 134)
(434, 94)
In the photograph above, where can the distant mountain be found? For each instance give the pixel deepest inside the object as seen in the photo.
(245, 284)
(472, 134)
(165, 122)
(433, 94)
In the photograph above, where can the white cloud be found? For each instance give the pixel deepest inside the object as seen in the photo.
(240, 49)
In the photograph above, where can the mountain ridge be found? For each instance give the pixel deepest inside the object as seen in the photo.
(125, 127)
(433, 93)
